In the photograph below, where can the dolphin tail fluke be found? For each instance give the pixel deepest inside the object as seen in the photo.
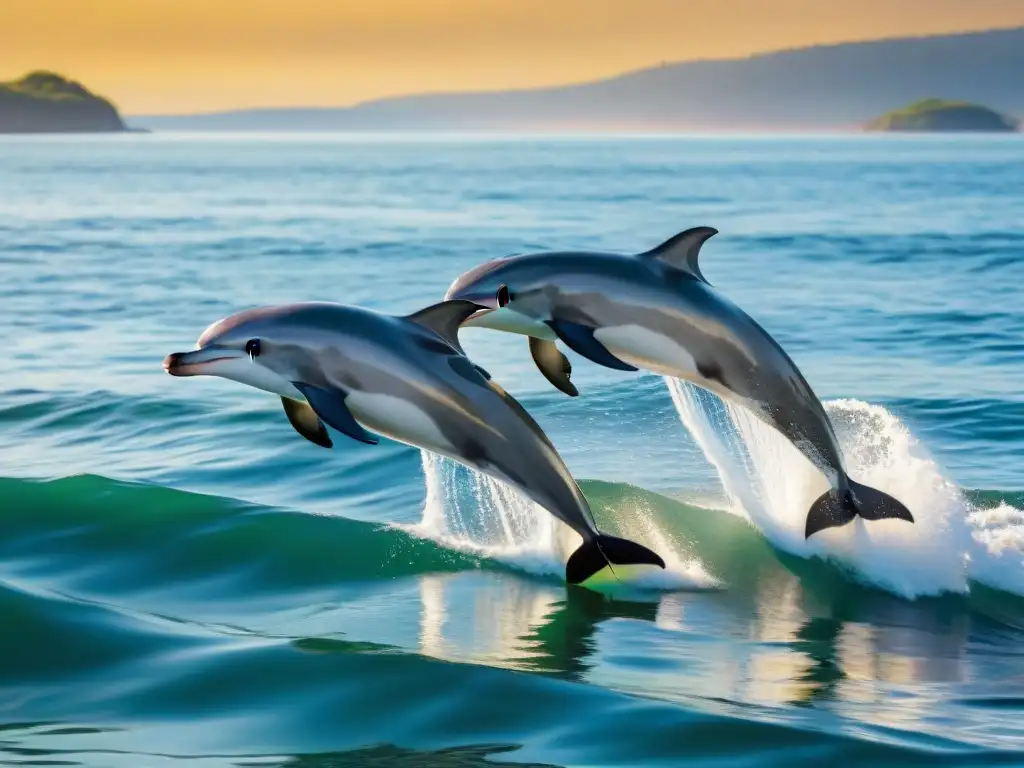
(836, 508)
(608, 559)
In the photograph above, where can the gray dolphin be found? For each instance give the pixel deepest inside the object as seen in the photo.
(656, 311)
(406, 378)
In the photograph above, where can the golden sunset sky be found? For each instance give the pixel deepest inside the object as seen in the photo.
(173, 56)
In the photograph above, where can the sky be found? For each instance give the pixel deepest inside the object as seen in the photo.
(181, 56)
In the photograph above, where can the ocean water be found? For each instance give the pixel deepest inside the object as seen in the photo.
(184, 580)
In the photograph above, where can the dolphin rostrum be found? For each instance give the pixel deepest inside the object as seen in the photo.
(406, 378)
(656, 311)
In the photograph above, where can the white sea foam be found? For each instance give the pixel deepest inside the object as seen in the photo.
(773, 485)
(997, 554)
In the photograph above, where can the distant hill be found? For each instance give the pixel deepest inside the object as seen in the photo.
(44, 102)
(940, 115)
(824, 87)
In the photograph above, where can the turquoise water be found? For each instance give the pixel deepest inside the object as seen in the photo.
(183, 579)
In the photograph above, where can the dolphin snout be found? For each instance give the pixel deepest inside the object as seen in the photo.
(198, 361)
(172, 363)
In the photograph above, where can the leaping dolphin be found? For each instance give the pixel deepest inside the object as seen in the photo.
(656, 311)
(406, 378)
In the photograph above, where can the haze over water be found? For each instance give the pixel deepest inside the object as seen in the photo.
(182, 577)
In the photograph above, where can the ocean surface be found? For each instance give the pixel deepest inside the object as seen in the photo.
(184, 580)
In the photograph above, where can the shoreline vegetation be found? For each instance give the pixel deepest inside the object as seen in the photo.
(45, 102)
(944, 116)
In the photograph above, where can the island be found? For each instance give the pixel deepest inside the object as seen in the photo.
(45, 102)
(940, 115)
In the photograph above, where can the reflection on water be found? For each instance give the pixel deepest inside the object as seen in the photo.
(388, 756)
(518, 624)
(488, 626)
(14, 752)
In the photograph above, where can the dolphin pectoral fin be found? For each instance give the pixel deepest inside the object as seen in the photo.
(683, 250)
(329, 405)
(553, 364)
(306, 422)
(445, 318)
(580, 339)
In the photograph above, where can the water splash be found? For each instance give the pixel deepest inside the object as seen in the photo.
(768, 481)
(469, 511)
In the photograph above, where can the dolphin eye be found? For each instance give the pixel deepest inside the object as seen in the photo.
(252, 348)
(504, 297)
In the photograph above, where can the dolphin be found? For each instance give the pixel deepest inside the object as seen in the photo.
(406, 378)
(655, 310)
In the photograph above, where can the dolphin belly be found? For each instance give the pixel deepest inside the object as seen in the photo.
(661, 354)
(398, 419)
(649, 349)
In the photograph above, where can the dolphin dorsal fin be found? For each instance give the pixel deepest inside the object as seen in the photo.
(682, 250)
(445, 318)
